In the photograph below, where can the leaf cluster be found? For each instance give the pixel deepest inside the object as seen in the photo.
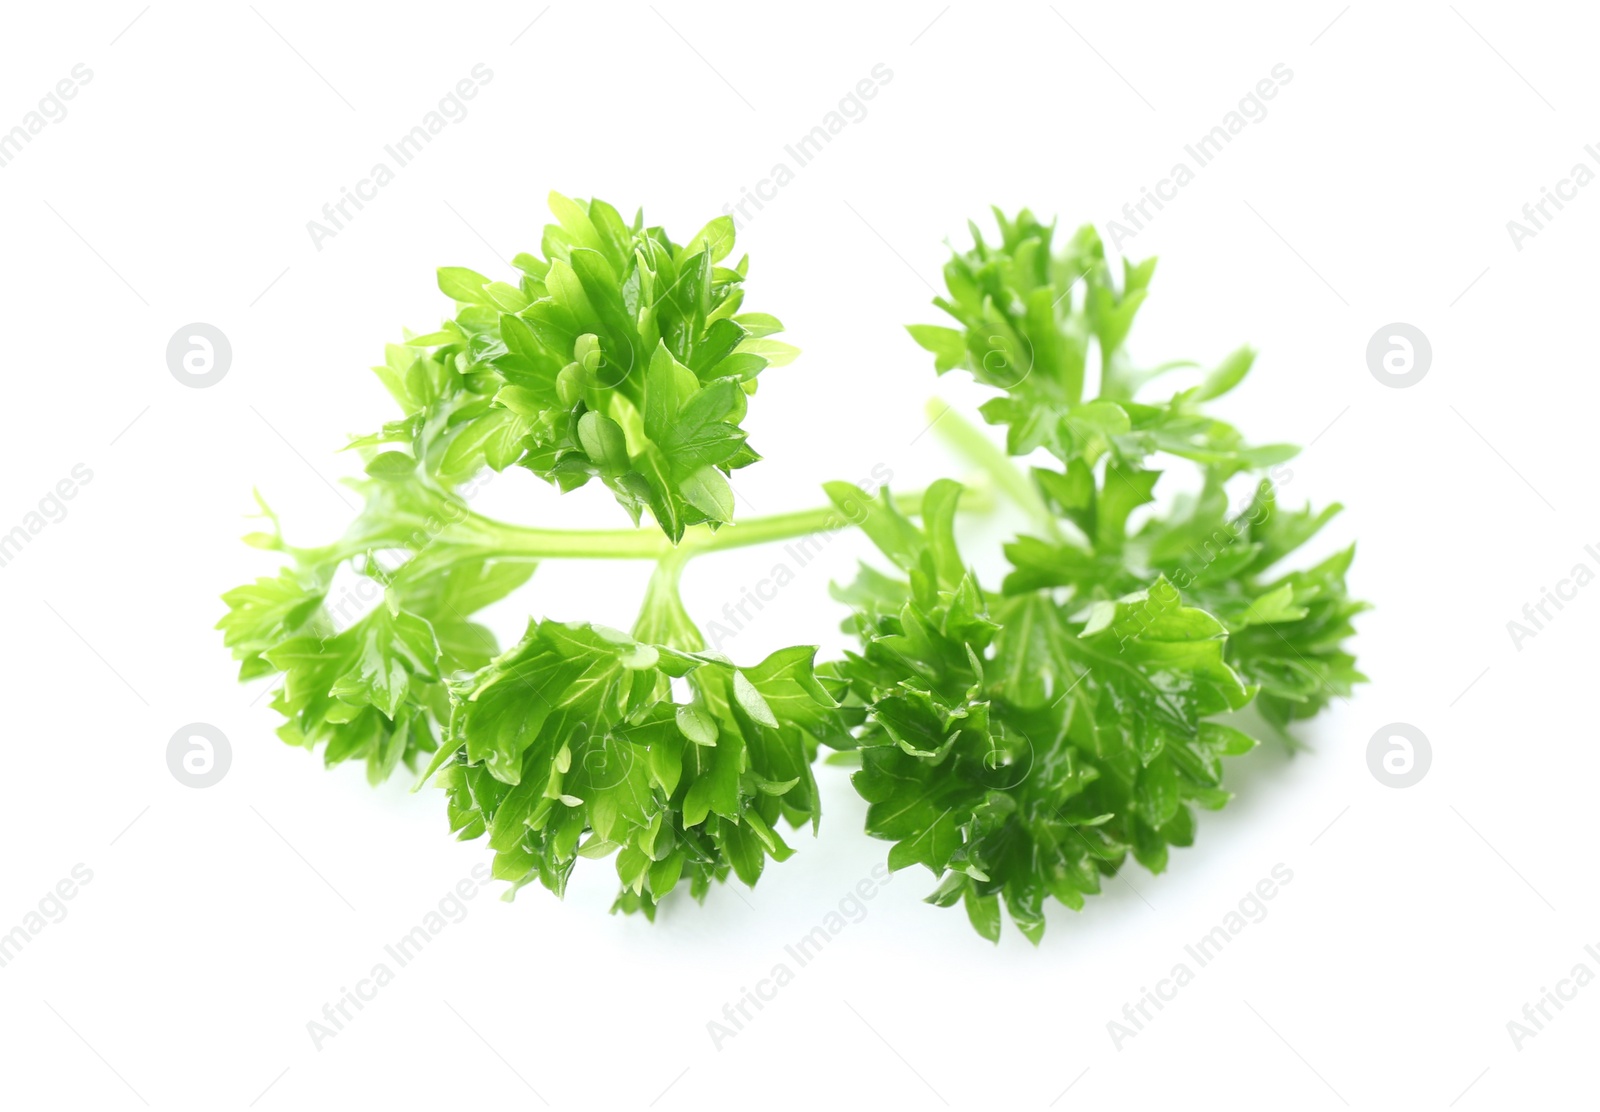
(616, 355)
(1022, 742)
(364, 678)
(584, 742)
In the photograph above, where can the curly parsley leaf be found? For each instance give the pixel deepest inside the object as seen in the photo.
(574, 744)
(1028, 317)
(618, 355)
(363, 673)
(1019, 747)
(1021, 744)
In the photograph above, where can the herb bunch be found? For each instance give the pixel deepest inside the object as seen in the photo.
(1019, 740)
(622, 356)
(619, 355)
(1022, 742)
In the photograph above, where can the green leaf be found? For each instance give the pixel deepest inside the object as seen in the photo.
(698, 726)
(603, 440)
(1229, 373)
(759, 324)
(889, 529)
(744, 850)
(391, 465)
(707, 491)
(775, 352)
(718, 236)
(984, 913)
(949, 347)
(575, 221)
(751, 700)
(663, 393)
(463, 284)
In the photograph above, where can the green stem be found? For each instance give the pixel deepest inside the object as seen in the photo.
(967, 439)
(663, 620)
(650, 544)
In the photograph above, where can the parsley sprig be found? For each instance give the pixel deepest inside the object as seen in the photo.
(578, 740)
(1021, 740)
(618, 355)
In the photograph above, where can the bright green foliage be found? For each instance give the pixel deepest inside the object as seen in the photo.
(621, 355)
(1028, 319)
(618, 354)
(572, 744)
(1021, 743)
(1286, 629)
(362, 672)
(1020, 747)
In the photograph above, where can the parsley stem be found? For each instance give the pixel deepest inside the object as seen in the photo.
(647, 543)
(663, 620)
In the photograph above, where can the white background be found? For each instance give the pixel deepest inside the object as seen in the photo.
(1377, 189)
